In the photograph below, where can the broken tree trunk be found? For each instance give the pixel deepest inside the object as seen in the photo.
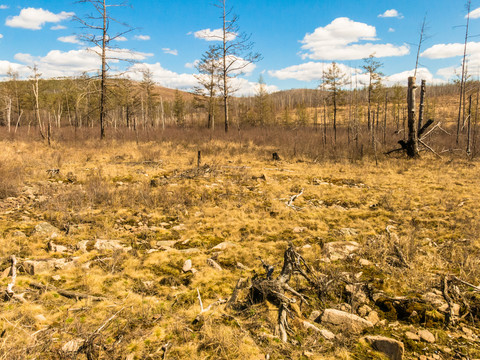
(274, 290)
(412, 142)
(421, 109)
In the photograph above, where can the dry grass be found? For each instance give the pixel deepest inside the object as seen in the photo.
(153, 192)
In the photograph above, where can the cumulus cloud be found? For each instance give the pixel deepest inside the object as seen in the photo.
(4, 7)
(34, 19)
(72, 39)
(58, 27)
(1, 36)
(392, 13)
(445, 51)
(192, 65)
(213, 35)
(163, 76)
(402, 77)
(340, 39)
(59, 63)
(474, 14)
(170, 51)
(142, 37)
(121, 38)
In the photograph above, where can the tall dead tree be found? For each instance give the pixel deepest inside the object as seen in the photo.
(236, 54)
(462, 79)
(99, 23)
(412, 142)
(421, 110)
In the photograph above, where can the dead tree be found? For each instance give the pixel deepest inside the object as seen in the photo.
(276, 290)
(412, 142)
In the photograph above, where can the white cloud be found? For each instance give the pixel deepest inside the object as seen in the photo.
(142, 37)
(72, 39)
(445, 51)
(163, 76)
(121, 38)
(422, 74)
(339, 41)
(34, 19)
(392, 13)
(474, 14)
(4, 7)
(192, 65)
(213, 35)
(391, 30)
(59, 63)
(1, 36)
(6, 66)
(58, 27)
(170, 51)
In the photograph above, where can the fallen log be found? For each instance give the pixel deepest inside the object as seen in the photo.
(66, 293)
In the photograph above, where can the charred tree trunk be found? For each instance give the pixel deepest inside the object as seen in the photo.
(412, 142)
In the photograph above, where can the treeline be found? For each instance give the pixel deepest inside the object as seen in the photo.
(74, 102)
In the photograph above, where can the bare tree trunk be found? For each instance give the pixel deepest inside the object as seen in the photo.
(104, 74)
(37, 106)
(9, 112)
(462, 80)
(385, 120)
(225, 84)
(469, 126)
(422, 104)
(412, 143)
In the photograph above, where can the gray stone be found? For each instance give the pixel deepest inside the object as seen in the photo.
(46, 229)
(340, 250)
(427, 336)
(47, 265)
(214, 264)
(72, 346)
(19, 234)
(412, 336)
(224, 245)
(392, 348)
(348, 232)
(373, 317)
(345, 320)
(187, 265)
(364, 310)
(102, 245)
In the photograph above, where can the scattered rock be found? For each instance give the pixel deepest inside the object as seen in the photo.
(348, 321)
(340, 250)
(348, 232)
(19, 234)
(356, 294)
(412, 336)
(168, 243)
(436, 300)
(314, 315)
(364, 262)
(325, 333)
(33, 267)
(392, 348)
(187, 265)
(241, 266)
(56, 277)
(427, 336)
(299, 229)
(373, 317)
(47, 230)
(57, 248)
(214, 264)
(73, 345)
(102, 245)
(364, 310)
(180, 227)
(337, 208)
(224, 245)
(40, 318)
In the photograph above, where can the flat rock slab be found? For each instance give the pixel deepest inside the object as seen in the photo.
(46, 229)
(102, 245)
(47, 265)
(427, 336)
(340, 250)
(346, 320)
(392, 348)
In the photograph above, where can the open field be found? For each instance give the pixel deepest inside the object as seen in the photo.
(412, 226)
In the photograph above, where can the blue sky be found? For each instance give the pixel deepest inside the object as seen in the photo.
(297, 38)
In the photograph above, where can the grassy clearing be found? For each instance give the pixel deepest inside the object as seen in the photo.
(154, 199)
